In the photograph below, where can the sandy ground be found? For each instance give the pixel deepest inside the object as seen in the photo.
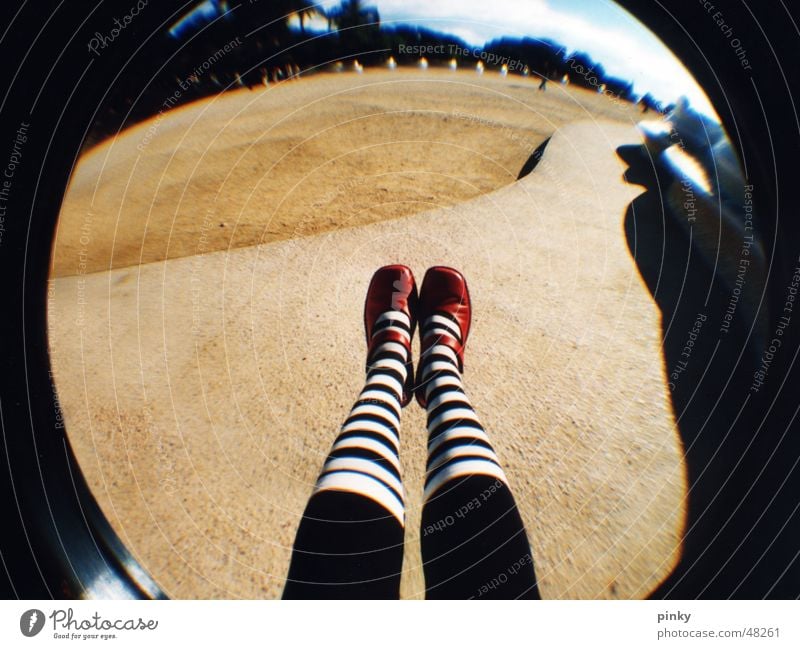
(202, 393)
(300, 158)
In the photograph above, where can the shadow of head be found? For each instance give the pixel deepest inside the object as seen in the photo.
(641, 169)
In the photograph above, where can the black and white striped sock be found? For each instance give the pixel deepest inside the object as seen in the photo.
(457, 444)
(365, 456)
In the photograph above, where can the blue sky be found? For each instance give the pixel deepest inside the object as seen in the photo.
(600, 27)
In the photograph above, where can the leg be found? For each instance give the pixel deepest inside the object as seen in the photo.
(350, 541)
(473, 540)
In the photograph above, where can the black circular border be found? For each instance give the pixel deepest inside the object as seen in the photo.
(55, 542)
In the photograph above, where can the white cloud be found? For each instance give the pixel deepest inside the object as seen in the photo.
(624, 46)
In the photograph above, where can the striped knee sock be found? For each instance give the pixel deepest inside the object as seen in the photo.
(365, 456)
(457, 444)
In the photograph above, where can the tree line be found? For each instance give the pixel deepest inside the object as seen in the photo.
(189, 50)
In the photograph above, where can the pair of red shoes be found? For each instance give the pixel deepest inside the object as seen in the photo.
(442, 308)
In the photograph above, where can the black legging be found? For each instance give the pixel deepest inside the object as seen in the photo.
(350, 541)
(347, 547)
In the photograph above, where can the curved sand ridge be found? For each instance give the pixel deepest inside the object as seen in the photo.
(203, 393)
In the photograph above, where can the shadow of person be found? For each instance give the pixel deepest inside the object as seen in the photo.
(709, 369)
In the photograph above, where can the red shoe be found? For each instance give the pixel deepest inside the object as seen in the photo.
(444, 297)
(392, 288)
